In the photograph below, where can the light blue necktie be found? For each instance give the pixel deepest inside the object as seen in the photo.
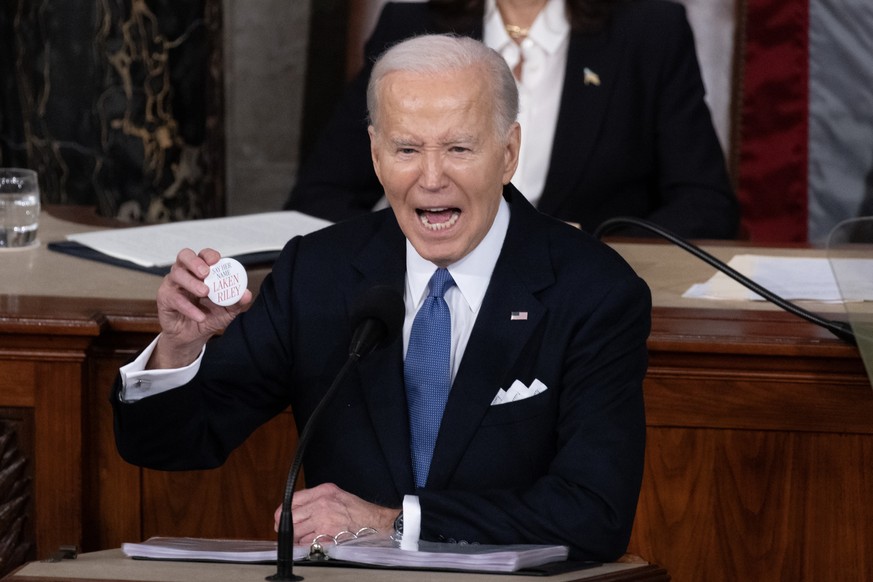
(427, 372)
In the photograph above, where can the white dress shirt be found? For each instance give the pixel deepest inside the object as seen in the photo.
(471, 275)
(543, 56)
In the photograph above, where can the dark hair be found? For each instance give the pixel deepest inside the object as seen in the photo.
(582, 14)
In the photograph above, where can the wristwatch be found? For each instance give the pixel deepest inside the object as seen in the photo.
(398, 525)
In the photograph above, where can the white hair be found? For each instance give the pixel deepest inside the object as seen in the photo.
(438, 53)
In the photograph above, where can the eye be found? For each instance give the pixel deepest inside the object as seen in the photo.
(405, 150)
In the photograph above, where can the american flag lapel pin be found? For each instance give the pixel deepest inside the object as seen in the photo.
(518, 316)
(591, 78)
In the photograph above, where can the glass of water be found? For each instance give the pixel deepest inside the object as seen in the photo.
(19, 208)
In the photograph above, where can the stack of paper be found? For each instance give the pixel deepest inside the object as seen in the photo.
(374, 550)
(210, 550)
(384, 551)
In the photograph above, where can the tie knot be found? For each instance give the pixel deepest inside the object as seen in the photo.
(440, 282)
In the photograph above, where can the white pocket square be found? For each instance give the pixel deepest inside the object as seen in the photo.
(518, 391)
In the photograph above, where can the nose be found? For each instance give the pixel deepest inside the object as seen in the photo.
(432, 175)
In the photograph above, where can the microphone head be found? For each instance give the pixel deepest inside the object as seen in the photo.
(376, 320)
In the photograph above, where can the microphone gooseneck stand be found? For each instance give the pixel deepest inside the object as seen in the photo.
(840, 329)
(378, 318)
(285, 549)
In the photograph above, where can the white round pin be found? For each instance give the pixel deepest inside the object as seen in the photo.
(227, 281)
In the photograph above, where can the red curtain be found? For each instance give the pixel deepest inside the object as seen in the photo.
(773, 114)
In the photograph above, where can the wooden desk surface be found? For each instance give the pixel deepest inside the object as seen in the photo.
(114, 566)
(44, 273)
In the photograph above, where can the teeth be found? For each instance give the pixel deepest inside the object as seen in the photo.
(439, 225)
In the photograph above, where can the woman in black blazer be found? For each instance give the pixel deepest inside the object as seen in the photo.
(632, 134)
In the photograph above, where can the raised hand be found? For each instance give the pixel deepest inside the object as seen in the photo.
(187, 317)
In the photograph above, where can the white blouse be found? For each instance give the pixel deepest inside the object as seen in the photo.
(543, 56)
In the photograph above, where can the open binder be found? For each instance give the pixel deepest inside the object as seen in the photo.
(373, 550)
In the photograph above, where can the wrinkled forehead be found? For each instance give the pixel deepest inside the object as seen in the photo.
(454, 90)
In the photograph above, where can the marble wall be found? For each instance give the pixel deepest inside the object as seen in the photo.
(117, 104)
(155, 110)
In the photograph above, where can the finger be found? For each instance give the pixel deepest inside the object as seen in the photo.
(231, 311)
(304, 539)
(172, 298)
(209, 256)
(246, 298)
(304, 529)
(304, 496)
(195, 263)
(277, 517)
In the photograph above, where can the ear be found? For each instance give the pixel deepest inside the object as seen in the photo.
(510, 153)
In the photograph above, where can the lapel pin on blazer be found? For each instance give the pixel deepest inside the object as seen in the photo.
(518, 316)
(591, 78)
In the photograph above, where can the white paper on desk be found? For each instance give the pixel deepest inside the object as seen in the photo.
(383, 551)
(792, 278)
(205, 549)
(157, 245)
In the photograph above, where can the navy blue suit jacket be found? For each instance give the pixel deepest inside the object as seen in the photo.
(564, 466)
(640, 144)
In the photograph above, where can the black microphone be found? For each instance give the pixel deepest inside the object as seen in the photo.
(840, 329)
(376, 321)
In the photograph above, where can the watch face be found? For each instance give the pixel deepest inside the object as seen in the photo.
(398, 524)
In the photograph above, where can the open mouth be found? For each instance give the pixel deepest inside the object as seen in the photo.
(438, 218)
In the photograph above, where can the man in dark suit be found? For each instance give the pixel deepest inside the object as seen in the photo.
(633, 137)
(542, 435)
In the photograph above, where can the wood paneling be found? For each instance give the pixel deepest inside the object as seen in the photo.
(236, 500)
(759, 460)
(42, 363)
(757, 505)
(113, 513)
(17, 382)
(58, 444)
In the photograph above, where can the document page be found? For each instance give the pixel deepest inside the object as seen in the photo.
(791, 278)
(157, 245)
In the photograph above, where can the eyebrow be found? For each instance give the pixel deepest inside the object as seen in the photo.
(404, 142)
(450, 141)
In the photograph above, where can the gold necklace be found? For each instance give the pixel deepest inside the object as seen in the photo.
(516, 32)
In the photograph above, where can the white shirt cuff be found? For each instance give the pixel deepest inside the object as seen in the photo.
(411, 523)
(138, 383)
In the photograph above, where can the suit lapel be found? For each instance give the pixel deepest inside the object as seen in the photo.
(523, 269)
(382, 261)
(590, 60)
